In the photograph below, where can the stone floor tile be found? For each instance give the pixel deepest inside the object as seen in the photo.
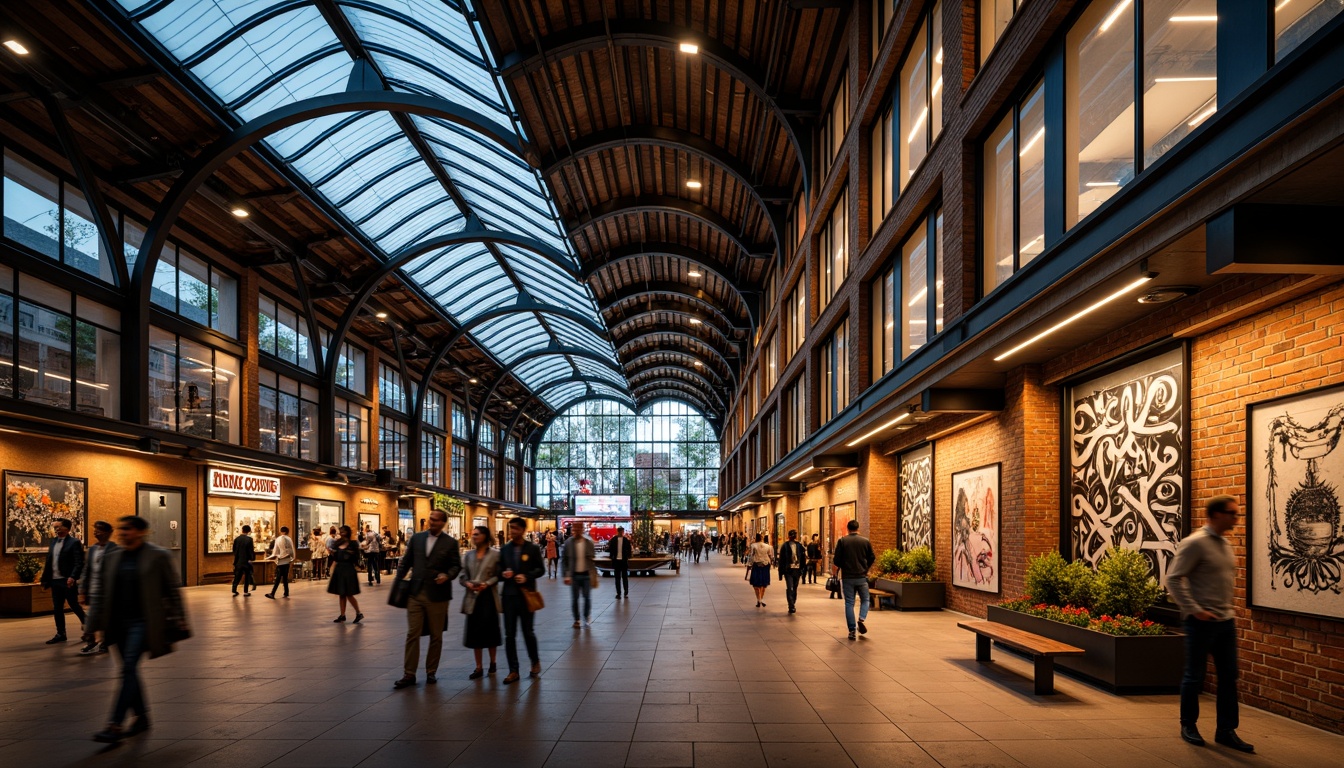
(806, 755)
(660, 754)
(568, 754)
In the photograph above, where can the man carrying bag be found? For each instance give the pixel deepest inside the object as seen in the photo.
(522, 565)
(432, 559)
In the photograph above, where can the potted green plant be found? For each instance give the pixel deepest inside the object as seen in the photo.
(27, 567)
(1105, 614)
(911, 577)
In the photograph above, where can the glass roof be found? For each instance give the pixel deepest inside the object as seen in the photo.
(255, 56)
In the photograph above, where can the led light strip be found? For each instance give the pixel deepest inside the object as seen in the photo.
(1075, 317)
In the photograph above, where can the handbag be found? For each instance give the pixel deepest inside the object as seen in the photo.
(832, 584)
(400, 596)
(535, 602)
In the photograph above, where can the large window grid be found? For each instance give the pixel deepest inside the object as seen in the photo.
(288, 416)
(433, 438)
(795, 414)
(195, 290)
(795, 320)
(57, 349)
(352, 434)
(193, 389)
(392, 393)
(350, 372)
(666, 457)
(905, 312)
(835, 372)
(393, 442)
(833, 250)
(283, 333)
(834, 124)
(49, 215)
(1013, 209)
(459, 469)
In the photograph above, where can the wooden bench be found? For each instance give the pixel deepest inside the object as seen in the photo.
(878, 595)
(1043, 650)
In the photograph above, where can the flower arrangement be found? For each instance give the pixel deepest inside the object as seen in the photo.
(915, 565)
(1112, 600)
(27, 567)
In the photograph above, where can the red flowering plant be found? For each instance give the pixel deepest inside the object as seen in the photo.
(1111, 601)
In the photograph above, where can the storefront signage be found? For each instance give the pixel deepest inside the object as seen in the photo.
(225, 482)
(370, 502)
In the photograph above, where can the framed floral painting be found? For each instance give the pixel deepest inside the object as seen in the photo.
(32, 504)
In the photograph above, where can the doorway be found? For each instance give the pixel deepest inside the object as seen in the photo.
(163, 508)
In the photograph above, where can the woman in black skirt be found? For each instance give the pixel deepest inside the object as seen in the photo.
(480, 573)
(759, 559)
(344, 581)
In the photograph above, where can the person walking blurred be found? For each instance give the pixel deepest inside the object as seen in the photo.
(521, 561)
(90, 589)
(344, 581)
(580, 572)
(61, 573)
(480, 574)
(552, 555)
(759, 559)
(813, 560)
(282, 552)
(372, 546)
(432, 559)
(244, 550)
(140, 612)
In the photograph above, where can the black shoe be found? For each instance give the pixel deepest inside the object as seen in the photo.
(852, 636)
(404, 682)
(140, 725)
(792, 609)
(358, 618)
(1231, 739)
(89, 649)
(235, 594)
(247, 594)
(109, 735)
(492, 669)
(338, 619)
(1191, 735)
(431, 679)
(271, 595)
(477, 675)
(863, 629)
(56, 639)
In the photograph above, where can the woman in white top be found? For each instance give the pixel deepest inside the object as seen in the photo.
(759, 559)
(318, 544)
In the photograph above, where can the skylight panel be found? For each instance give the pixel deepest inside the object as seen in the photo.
(326, 75)
(264, 51)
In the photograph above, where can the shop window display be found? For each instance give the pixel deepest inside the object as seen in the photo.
(193, 389)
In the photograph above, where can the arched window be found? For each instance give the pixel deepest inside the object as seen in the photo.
(666, 456)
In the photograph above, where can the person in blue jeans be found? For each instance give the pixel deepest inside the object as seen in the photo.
(580, 572)
(850, 562)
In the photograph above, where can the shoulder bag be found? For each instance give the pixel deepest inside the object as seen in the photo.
(400, 596)
(535, 602)
(832, 584)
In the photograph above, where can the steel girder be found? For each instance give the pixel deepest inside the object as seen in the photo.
(678, 290)
(676, 206)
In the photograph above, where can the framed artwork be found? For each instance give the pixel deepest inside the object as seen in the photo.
(1126, 467)
(367, 519)
(32, 504)
(263, 524)
(1295, 468)
(916, 498)
(975, 528)
(218, 530)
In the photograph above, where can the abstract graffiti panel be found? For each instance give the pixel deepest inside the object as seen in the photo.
(1293, 503)
(975, 528)
(916, 498)
(1127, 461)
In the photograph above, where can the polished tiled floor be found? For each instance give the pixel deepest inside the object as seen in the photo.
(688, 673)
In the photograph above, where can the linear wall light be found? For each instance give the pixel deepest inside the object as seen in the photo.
(16, 47)
(888, 425)
(1075, 317)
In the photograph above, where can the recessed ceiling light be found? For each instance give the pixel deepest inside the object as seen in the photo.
(696, 321)
(699, 364)
(693, 184)
(16, 47)
(693, 273)
(472, 381)
(239, 211)
(689, 48)
(380, 315)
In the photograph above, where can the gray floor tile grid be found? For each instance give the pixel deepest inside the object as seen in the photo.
(688, 672)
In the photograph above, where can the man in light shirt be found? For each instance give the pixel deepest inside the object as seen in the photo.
(282, 552)
(90, 589)
(1200, 579)
(65, 565)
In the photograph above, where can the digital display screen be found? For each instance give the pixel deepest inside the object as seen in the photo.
(602, 506)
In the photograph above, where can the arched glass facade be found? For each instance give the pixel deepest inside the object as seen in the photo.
(666, 456)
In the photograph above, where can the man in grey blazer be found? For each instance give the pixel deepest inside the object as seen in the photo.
(580, 572)
(433, 560)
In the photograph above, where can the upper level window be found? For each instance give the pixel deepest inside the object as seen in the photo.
(994, 18)
(1297, 20)
(884, 315)
(833, 250)
(51, 216)
(486, 439)
(195, 290)
(883, 12)
(1110, 135)
(921, 91)
(833, 126)
(432, 414)
(393, 439)
(193, 389)
(884, 186)
(795, 320)
(352, 434)
(906, 313)
(57, 349)
(282, 332)
(770, 363)
(461, 427)
(391, 393)
(288, 415)
(795, 414)
(1013, 213)
(835, 372)
(350, 369)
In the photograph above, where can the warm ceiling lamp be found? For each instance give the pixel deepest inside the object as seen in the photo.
(16, 47)
(693, 184)
(690, 48)
(380, 315)
(239, 211)
(699, 364)
(696, 321)
(694, 273)
(472, 381)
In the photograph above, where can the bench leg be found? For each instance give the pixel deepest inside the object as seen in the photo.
(982, 648)
(1045, 675)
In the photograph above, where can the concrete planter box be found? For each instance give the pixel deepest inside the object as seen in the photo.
(1117, 663)
(915, 595)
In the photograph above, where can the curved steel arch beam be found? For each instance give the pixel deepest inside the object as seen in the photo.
(732, 372)
(634, 251)
(676, 331)
(677, 139)
(655, 389)
(632, 317)
(645, 362)
(627, 311)
(242, 138)
(570, 404)
(534, 354)
(652, 34)
(619, 206)
(696, 380)
(676, 289)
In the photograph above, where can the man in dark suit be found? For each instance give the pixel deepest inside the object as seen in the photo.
(619, 549)
(521, 564)
(433, 560)
(244, 550)
(792, 556)
(65, 564)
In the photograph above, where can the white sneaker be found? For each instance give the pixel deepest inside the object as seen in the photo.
(587, 622)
